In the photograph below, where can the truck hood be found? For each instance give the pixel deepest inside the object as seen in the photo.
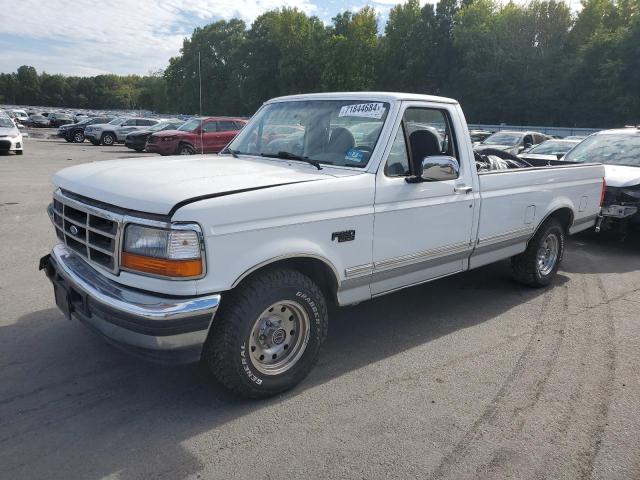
(157, 185)
(621, 175)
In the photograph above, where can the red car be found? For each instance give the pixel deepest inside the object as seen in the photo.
(198, 135)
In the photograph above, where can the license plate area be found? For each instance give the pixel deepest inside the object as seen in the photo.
(69, 300)
(62, 300)
(619, 211)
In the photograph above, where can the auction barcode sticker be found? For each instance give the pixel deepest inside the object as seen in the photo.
(369, 110)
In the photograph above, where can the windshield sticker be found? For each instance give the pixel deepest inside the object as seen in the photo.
(354, 155)
(368, 110)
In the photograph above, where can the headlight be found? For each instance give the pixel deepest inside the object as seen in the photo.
(168, 139)
(175, 253)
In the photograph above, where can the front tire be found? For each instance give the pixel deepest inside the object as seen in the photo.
(539, 263)
(185, 149)
(108, 139)
(78, 137)
(267, 335)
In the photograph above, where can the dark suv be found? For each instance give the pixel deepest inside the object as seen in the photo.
(58, 119)
(75, 132)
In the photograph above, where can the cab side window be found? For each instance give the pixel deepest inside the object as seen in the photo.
(424, 132)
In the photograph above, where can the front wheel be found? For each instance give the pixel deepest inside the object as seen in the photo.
(108, 139)
(78, 137)
(185, 149)
(267, 334)
(539, 263)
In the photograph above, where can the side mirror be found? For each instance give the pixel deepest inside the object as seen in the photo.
(527, 146)
(439, 168)
(559, 156)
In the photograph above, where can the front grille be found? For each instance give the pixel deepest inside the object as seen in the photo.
(90, 232)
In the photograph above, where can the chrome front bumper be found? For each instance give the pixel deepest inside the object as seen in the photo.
(164, 329)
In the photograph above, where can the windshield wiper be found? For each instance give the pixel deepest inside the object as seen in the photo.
(292, 156)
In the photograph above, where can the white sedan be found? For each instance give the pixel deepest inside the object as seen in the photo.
(10, 136)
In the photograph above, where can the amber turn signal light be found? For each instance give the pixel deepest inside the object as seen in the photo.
(162, 266)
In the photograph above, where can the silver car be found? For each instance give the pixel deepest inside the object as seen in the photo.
(116, 130)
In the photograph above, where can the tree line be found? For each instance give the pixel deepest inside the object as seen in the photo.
(532, 64)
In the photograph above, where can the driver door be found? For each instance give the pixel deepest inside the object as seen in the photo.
(422, 230)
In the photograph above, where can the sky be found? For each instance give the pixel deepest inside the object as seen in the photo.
(91, 37)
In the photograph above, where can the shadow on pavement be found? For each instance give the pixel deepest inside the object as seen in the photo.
(610, 253)
(64, 389)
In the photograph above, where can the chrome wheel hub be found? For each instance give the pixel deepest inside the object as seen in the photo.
(548, 254)
(279, 337)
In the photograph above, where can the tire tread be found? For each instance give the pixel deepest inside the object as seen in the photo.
(226, 329)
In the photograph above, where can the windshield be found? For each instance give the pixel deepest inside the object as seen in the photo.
(503, 139)
(190, 125)
(336, 132)
(37, 117)
(608, 148)
(551, 147)
(165, 126)
(118, 121)
(6, 123)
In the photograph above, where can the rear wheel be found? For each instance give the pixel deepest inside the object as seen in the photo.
(19, 152)
(78, 137)
(184, 149)
(267, 335)
(539, 263)
(108, 139)
(95, 142)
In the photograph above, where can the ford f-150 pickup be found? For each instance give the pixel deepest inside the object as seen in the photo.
(232, 259)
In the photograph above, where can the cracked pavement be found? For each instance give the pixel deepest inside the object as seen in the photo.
(472, 376)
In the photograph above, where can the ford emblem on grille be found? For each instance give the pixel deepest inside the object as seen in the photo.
(74, 230)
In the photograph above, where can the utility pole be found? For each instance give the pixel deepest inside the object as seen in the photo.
(200, 88)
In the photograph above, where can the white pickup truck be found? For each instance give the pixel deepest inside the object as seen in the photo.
(231, 259)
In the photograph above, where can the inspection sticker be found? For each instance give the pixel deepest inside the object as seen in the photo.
(368, 110)
(354, 155)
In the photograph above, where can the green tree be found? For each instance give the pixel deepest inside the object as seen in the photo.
(350, 54)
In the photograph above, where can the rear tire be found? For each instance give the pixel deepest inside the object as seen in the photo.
(95, 142)
(139, 149)
(267, 335)
(539, 263)
(19, 152)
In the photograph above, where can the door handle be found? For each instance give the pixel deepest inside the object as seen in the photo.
(463, 189)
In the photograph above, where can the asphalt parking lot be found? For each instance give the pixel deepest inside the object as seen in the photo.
(468, 377)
